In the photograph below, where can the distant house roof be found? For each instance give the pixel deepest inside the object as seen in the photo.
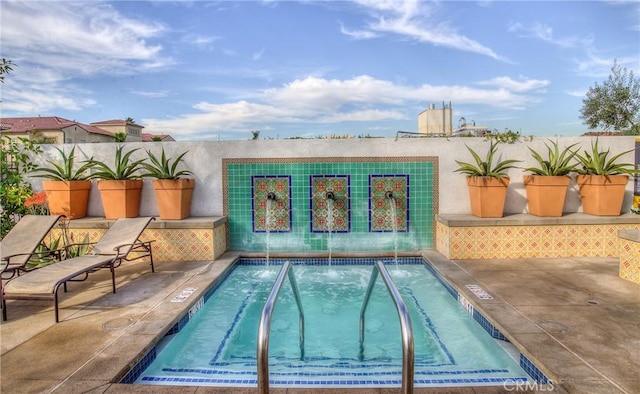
(147, 137)
(115, 122)
(24, 125)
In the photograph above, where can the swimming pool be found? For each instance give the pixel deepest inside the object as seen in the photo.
(215, 345)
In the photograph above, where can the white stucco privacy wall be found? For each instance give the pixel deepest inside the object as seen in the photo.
(205, 160)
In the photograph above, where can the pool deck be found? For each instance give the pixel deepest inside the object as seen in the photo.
(574, 317)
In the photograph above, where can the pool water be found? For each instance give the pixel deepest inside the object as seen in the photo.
(217, 347)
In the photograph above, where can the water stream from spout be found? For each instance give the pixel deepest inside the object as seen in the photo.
(329, 226)
(394, 227)
(267, 224)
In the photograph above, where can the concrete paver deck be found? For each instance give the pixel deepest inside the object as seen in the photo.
(574, 317)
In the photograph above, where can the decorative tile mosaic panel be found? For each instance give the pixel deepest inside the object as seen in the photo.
(279, 210)
(630, 260)
(168, 244)
(180, 244)
(442, 239)
(85, 235)
(380, 210)
(326, 214)
(530, 241)
(238, 175)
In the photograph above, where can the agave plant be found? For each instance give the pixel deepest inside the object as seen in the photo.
(163, 168)
(64, 170)
(598, 162)
(486, 167)
(557, 162)
(124, 167)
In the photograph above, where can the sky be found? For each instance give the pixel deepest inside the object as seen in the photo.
(219, 70)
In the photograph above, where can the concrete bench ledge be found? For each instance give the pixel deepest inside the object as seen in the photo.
(192, 222)
(629, 235)
(195, 238)
(524, 219)
(529, 236)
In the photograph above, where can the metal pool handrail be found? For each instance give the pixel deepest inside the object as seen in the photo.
(265, 325)
(405, 325)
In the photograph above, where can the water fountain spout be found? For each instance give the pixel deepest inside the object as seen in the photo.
(388, 195)
(330, 196)
(271, 196)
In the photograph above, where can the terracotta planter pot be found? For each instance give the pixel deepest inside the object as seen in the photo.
(174, 197)
(120, 198)
(546, 194)
(602, 195)
(487, 195)
(68, 198)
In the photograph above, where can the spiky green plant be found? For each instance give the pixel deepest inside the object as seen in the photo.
(163, 168)
(556, 163)
(64, 169)
(124, 167)
(45, 255)
(598, 162)
(486, 167)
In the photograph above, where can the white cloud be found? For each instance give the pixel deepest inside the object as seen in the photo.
(199, 40)
(362, 116)
(150, 94)
(576, 93)
(43, 101)
(596, 66)
(52, 42)
(85, 38)
(358, 34)
(544, 32)
(416, 20)
(521, 85)
(258, 55)
(314, 100)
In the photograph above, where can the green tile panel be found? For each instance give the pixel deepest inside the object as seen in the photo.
(423, 203)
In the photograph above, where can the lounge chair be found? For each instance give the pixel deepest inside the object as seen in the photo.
(115, 245)
(21, 243)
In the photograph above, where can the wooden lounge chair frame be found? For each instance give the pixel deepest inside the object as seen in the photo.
(106, 253)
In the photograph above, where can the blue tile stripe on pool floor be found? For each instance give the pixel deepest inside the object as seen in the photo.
(335, 382)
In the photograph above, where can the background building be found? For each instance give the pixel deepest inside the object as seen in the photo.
(53, 130)
(128, 127)
(57, 130)
(436, 121)
(470, 129)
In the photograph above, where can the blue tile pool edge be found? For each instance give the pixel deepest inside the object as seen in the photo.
(527, 365)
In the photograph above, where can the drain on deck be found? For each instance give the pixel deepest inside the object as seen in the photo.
(118, 323)
(553, 327)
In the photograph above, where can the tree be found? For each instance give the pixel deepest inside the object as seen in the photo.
(614, 104)
(15, 163)
(5, 68)
(120, 137)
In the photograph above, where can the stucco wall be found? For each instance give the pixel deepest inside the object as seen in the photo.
(205, 160)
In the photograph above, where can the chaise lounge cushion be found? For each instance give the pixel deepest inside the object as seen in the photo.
(40, 281)
(114, 246)
(22, 241)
